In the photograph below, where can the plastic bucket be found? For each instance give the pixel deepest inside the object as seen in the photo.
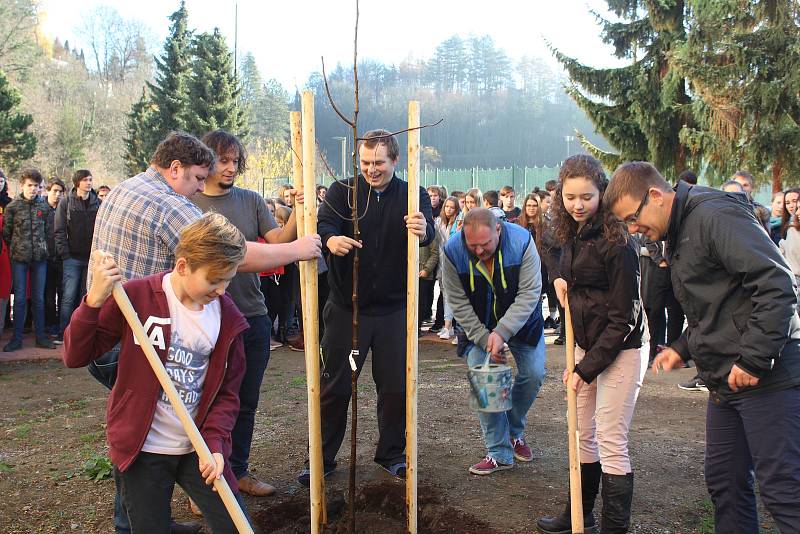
(491, 387)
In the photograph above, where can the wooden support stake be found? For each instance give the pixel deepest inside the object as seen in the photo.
(576, 501)
(311, 318)
(221, 485)
(412, 318)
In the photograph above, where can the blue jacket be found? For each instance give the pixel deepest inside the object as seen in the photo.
(510, 304)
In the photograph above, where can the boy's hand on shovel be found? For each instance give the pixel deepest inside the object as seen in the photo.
(213, 471)
(105, 274)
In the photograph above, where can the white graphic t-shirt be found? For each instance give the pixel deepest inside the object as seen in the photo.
(194, 335)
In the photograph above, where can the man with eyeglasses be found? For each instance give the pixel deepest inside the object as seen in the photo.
(743, 333)
(664, 313)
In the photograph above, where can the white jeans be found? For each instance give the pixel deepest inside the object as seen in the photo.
(605, 410)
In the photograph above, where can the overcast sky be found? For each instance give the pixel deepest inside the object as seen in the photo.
(287, 38)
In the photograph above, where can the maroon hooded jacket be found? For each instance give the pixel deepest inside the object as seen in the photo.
(132, 403)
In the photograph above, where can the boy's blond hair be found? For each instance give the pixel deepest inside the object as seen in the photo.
(212, 242)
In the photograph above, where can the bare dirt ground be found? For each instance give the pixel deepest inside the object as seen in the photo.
(52, 434)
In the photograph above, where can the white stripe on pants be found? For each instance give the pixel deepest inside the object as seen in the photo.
(605, 410)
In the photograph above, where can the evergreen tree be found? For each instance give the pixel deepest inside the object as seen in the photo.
(265, 104)
(213, 88)
(644, 105)
(137, 154)
(170, 91)
(16, 142)
(742, 58)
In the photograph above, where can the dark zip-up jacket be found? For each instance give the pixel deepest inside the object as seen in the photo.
(132, 403)
(603, 291)
(25, 229)
(736, 289)
(51, 224)
(74, 229)
(384, 256)
(510, 304)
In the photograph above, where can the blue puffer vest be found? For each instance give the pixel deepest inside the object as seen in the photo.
(491, 300)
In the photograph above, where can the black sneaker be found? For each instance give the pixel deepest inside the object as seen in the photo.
(695, 384)
(45, 343)
(12, 345)
(559, 341)
(304, 478)
(549, 324)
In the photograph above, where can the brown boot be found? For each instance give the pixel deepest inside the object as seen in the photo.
(250, 485)
(194, 508)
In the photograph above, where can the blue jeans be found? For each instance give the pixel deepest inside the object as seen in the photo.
(256, 353)
(501, 427)
(755, 435)
(73, 288)
(38, 272)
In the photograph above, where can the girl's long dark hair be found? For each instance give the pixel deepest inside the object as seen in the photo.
(585, 166)
(788, 220)
(445, 222)
(533, 225)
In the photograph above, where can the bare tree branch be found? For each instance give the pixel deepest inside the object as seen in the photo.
(437, 123)
(330, 97)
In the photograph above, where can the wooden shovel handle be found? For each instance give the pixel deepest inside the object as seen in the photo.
(576, 501)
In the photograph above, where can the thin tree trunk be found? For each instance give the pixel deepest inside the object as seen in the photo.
(777, 171)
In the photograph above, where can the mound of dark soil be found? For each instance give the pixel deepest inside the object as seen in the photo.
(380, 508)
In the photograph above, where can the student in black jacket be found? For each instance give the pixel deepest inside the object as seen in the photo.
(599, 272)
(743, 334)
(75, 217)
(384, 226)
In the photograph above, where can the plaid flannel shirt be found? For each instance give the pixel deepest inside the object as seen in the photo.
(139, 224)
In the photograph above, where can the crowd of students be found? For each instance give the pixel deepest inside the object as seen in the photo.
(47, 234)
(212, 270)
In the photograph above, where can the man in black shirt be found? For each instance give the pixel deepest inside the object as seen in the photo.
(384, 225)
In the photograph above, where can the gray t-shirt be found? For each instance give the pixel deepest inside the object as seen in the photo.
(248, 212)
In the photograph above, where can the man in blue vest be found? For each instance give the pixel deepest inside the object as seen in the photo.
(492, 280)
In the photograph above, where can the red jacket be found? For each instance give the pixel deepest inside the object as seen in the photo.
(132, 403)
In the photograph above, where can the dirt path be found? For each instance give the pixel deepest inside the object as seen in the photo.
(52, 432)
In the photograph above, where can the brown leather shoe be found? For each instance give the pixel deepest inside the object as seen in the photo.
(252, 486)
(194, 508)
(297, 343)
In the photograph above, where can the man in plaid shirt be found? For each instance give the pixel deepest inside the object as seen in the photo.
(139, 225)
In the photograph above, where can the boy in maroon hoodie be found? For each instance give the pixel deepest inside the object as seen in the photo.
(196, 331)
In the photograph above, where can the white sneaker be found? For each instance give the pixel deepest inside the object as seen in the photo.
(446, 333)
(454, 340)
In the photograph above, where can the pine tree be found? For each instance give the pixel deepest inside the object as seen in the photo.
(139, 139)
(742, 58)
(170, 91)
(213, 89)
(16, 142)
(265, 104)
(644, 105)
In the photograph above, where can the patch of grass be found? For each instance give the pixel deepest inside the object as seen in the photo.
(297, 381)
(706, 524)
(91, 437)
(5, 467)
(79, 404)
(23, 431)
